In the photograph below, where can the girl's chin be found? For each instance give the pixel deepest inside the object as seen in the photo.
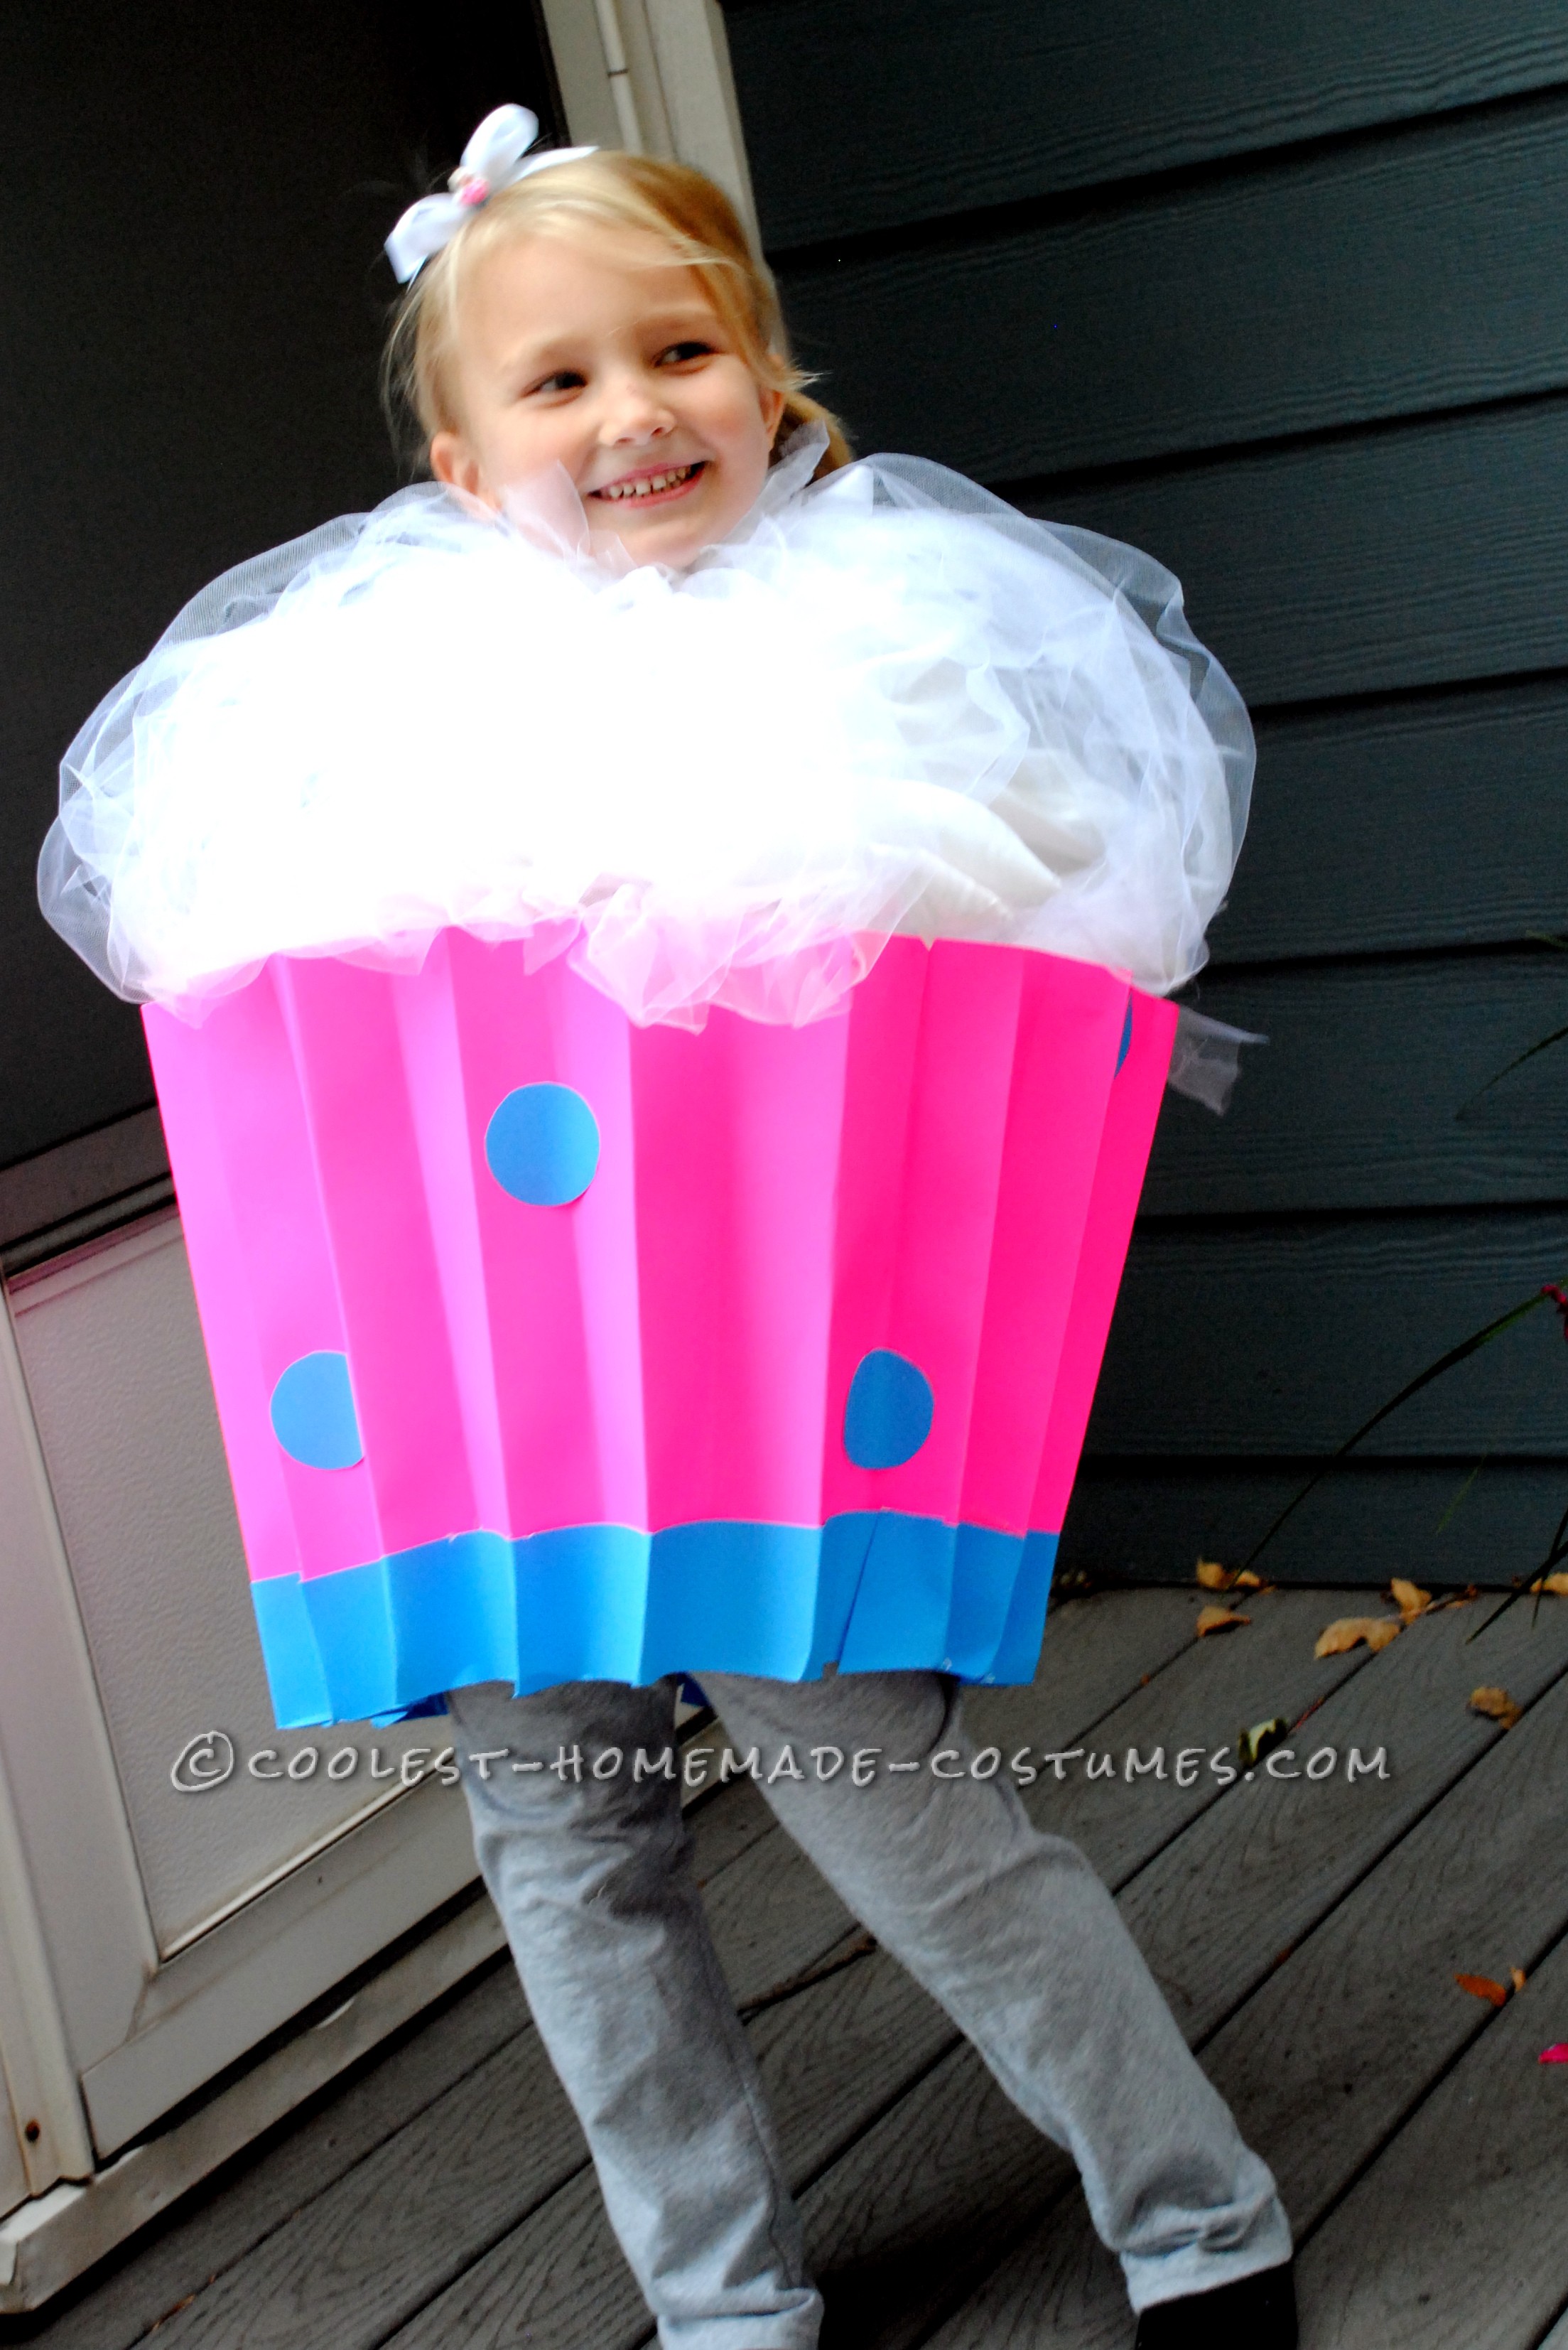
(671, 536)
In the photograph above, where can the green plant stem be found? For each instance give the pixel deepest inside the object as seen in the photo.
(1455, 1355)
(1443, 1523)
(1541, 1045)
(1556, 1549)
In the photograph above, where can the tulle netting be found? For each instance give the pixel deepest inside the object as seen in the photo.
(887, 702)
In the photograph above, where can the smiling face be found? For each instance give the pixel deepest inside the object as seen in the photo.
(603, 354)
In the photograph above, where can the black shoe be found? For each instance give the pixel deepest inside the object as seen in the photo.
(1255, 2313)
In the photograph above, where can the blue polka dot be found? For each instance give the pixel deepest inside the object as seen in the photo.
(542, 1145)
(1125, 1046)
(313, 1415)
(889, 1415)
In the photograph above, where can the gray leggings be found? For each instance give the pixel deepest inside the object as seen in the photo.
(1011, 1930)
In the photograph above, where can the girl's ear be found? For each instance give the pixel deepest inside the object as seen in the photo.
(772, 411)
(456, 463)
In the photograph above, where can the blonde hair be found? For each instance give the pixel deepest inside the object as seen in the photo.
(607, 190)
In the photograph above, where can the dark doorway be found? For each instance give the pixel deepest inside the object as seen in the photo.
(196, 199)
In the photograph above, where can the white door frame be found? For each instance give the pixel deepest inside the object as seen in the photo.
(74, 1924)
(653, 76)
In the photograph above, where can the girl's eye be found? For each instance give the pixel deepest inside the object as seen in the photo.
(563, 379)
(679, 352)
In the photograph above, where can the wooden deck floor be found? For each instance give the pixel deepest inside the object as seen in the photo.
(1307, 1933)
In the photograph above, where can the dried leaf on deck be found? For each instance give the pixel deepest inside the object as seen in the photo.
(1348, 1632)
(1262, 1738)
(1247, 1581)
(1556, 1584)
(1518, 1978)
(1484, 1987)
(1213, 1576)
(1409, 1598)
(1217, 1619)
(1497, 1705)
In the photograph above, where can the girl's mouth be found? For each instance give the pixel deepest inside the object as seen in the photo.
(652, 488)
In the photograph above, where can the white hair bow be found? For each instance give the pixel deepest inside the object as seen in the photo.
(495, 156)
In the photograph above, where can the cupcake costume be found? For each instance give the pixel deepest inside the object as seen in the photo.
(659, 1067)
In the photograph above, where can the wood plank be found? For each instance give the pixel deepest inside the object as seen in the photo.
(363, 2257)
(868, 2031)
(1212, 1911)
(1483, 2164)
(1364, 1095)
(1047, 1714)
(559, 2282)
(908, 2221)
(1283, 1338)
(1439, 821)
(831, 2061)
(557, 2277)
(360, 2257)
(921, 2205)
(1141, 328)
(1033, 102)
(867, 2022)
(952, 2172)
(1097, 1650)
(832, 2058)
(1200, 1702)
(844, 2051)
(924, 2204)
(1413, 554)
(236, 2212)
(1444, 1523)
(1061, 2277)
(1094, 1654)
(927, 2196)
(1322, 2064)
(725, 1820)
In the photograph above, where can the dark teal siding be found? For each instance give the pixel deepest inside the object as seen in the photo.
(868, 114)
(1435, 820)
(1422, 269)
(1356, 1101)
(1405, 554)
(1282, 295)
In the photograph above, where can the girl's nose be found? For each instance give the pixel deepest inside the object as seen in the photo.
(633, 410)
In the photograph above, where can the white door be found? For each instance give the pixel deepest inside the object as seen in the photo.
(188, 1906)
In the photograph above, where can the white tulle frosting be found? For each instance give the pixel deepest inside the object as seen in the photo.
(886, 703)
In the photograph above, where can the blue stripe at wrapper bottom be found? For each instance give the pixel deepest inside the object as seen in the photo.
(869, 1591)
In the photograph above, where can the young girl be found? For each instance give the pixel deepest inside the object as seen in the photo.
(803, 704)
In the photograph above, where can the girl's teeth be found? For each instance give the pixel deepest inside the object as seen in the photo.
(652, 483)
